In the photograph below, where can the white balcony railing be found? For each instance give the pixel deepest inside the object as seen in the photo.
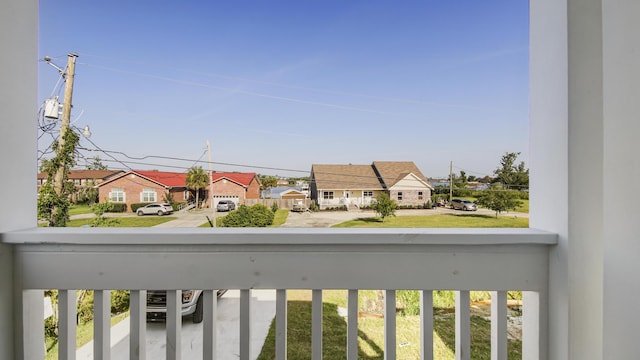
(388, 259)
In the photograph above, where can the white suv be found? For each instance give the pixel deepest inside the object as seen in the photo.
(155, 208)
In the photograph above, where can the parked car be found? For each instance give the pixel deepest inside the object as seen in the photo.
(155, 209)
(463, 204)
(226, 205)
(191, 304)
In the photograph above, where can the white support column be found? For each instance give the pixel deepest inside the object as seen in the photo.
(209, 334)
(102, 324)
(499, 325)
(245, 324)
(174, 324)
(549, 158)
(389, 324)
(316, 324)
(281, 324)
(67, 318)
(426, 325)
(18, 88)
(352, 324)
(463, 326)
(621, 176)
(138, 325)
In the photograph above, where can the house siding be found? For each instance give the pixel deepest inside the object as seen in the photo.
(410, 197)
(133, 185)
(227, 188)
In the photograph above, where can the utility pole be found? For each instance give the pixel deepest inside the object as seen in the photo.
(213, 208)
(450, 181)
(66, 119)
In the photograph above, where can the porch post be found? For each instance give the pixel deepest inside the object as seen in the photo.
(19, 42)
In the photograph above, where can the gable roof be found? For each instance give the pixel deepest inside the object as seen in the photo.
(391, 172)
(379, 175)
(169, 179)
(243, 179)
(345, 177)
(162, 178)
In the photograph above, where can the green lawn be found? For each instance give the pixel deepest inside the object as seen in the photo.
(439, 221)
(371, 331)
(280, 217)
(138, 221)
(84, 334)
(79, 209)
(371, 328)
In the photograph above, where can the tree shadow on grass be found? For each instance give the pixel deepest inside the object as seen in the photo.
(370, 220)
(444, 328)
(334, 335)
(479, 216)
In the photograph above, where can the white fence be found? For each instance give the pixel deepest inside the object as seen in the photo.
(390, 259)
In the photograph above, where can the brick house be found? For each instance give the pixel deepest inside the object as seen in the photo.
(235, 186)
(138, 186)
(83, 178)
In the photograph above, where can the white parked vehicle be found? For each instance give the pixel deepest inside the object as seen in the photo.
(155, 209)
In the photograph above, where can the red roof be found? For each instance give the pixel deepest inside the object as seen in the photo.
(240, 178)
(169, 179)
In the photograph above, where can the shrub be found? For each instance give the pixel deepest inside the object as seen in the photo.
(255, 216)
(118, 207)
(136, 206)
(85, 306)
(119, 301)
(274, 207)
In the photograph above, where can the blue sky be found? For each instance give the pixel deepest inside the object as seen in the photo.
(277, 85)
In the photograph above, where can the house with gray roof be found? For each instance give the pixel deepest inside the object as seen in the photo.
(357, 185)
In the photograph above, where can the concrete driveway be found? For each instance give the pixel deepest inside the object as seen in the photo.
(263, 305)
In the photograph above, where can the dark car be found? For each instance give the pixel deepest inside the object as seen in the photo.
(463, 204)
(191, 304)
(226, 205)
(155, 209)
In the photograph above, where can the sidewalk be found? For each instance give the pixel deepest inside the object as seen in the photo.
(263, 306)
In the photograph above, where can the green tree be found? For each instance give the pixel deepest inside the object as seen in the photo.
(384, 206)
(87, 193)
(96, 164)
(267, 181)
(460, 181)
(53, 205)
(100, 220)
(511, 175)
(499, 199)
(197, 179)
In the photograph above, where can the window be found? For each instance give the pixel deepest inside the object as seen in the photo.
(185, 195)
(420, 196)
(116, 195)
(148, 195)
(399, 195)
(367, 194)
(327, 195)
